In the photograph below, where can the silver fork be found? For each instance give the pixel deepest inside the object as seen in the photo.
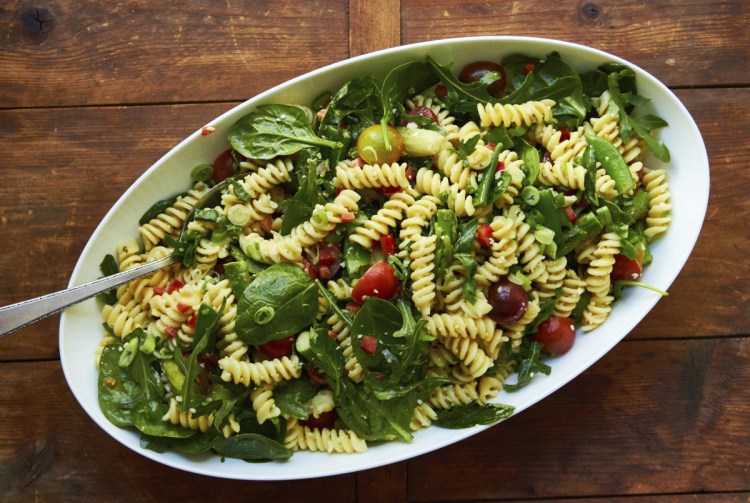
(24, 313)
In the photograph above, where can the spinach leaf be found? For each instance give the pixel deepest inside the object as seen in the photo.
(473, 414)
(190, 445)
(191, 397)
(531, 162)
(279, 302)
(292, 397)
(147, 417)
(108, 267)
(251, 447)
(157, 209)
(379, 319)
(205, 326)
(123, 388)
(275, 130)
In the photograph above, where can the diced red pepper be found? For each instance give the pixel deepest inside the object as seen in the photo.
(388, 244)
(193, 319)
(184, 308)
(369, 344)
(500, 166)
(315, 376)
(158, 290)
(209, 361)
(326, 420)
(484, 235)
(266, 224)
(491, 145)
(528, 68)
(564, 134)
(207, 130)
(174, 285)
(572, 217)
(171, 332)
(352, 307)
(333, 335)
(347, 216)
(411, 174)
(339, 190)
(358, 162)
(388, 191)
(441, 91)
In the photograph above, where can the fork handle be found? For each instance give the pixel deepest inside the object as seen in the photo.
(21, 314)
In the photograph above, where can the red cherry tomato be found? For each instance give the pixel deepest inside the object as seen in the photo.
(329, 261)
(388, 244)
(325, 420)
(484, 235)
(478, 69)
(223, 166)
(378, 281)
(556, 334)
(625, 268)
(308, 268)
(509, 301)
(423, 111)
(279, 347)
(315, 376)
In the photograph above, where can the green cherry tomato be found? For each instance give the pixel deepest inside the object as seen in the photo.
(372, 149)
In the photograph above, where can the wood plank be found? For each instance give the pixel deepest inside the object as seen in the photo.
(64, 169)
(681, 43)
(742, 497)
(386, 484)
(56, 211)
(50, 450)
(652, 417)
(373, 25)
(93, 52)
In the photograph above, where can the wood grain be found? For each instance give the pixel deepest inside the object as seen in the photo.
(373, 25)
(92, 52)
(682, 43)
(652, 417)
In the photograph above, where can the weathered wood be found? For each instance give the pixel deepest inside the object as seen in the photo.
(681, 43)
(373, 25)
(386, 484)
(652, 417)
(51, 451)
(54, 209)
(74, 53)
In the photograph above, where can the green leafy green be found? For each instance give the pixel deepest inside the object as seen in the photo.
(473, 414)
(108, 267)
(410, 76)
(292, 397)
(279, 302)
(275, 130)
(251, 447)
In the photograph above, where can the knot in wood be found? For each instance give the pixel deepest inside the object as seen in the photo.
(591, 10)
(37, 20)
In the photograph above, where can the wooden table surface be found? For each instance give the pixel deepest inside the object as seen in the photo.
(93, 92)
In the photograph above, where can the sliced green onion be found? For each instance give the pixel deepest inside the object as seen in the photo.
(530, 195)
(149, 344)
(521, 279)
(202, 173)
(544, 235)
(128, 352)
(239, 215)
(319, 217)
(264, 315)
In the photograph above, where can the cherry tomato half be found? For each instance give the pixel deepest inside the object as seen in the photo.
(223, 166)
(508, 300)
(625, 268)
(371, 145)
(324, 420)
(556, 334)
(378, 281)
(478, 69)
(279, 347)
(329, 261)
(424, 112)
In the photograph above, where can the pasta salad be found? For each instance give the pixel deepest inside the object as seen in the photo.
(392, 257)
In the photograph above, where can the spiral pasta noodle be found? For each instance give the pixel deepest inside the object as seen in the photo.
(524, 114)
(372, 176)
(659, 204)
(265, 372)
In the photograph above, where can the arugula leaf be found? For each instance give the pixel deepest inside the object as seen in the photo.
(467, 232)
(473, 414)
(475, 92)
(275, 130)
(445, 225)
(469, 292)
(375, 419)
(486, 190)
(279, 302)
(530, 363)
